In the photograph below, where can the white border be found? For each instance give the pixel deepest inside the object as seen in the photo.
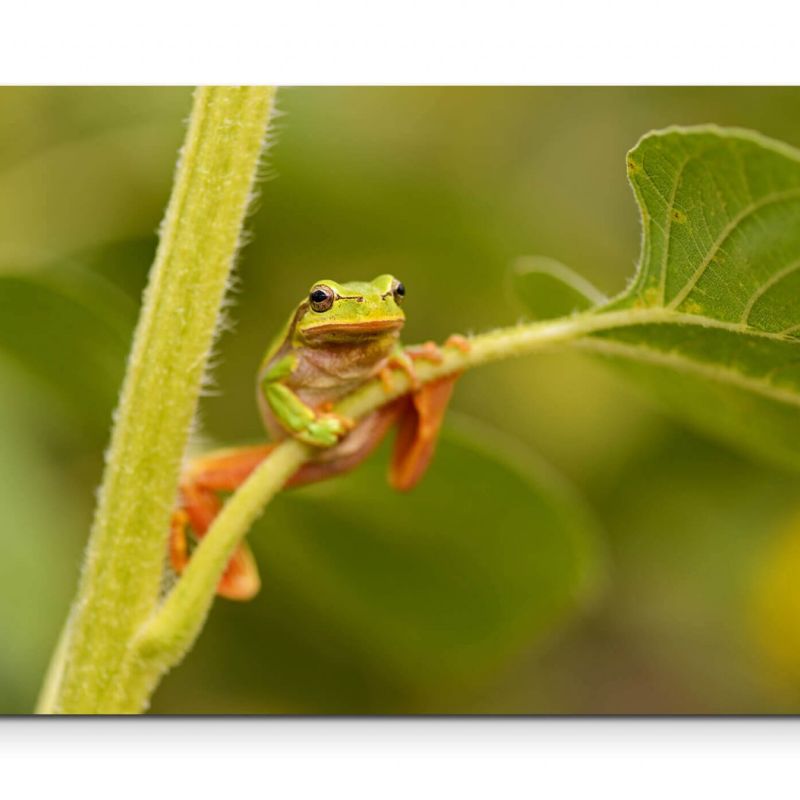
(403, 758)
(409, 42)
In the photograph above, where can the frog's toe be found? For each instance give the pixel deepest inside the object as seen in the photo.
(429, 351)
(458, 342)
(385, 376)
(326, 430)
(402, 360)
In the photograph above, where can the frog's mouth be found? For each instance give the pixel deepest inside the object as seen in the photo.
(353, 330)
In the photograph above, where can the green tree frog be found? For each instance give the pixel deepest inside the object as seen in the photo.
(338, 337)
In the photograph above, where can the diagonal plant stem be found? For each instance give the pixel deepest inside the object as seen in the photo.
(122, 573)
(171, 632)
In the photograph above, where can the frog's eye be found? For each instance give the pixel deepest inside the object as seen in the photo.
(321, 298)
(399, 292)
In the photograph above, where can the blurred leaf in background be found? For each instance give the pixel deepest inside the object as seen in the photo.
(452, 598)
(69, 329)
(41, 526)
(549, 289)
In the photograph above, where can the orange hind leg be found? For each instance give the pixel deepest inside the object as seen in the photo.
(222, 471)
(226, 470)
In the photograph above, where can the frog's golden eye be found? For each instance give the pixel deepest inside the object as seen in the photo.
(321, 298)
(399, 292)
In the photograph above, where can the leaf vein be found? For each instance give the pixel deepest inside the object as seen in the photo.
(749, 210)
(765, 287)
(666, 316)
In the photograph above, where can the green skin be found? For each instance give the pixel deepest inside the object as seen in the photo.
(323, 354)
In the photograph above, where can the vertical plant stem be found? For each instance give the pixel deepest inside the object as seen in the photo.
(122, 573)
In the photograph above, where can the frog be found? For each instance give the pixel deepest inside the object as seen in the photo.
(340, 336)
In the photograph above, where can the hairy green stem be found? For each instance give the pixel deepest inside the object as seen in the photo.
(122, 573)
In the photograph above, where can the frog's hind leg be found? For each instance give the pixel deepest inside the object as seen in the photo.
(421, 416)
(226, 470)
(221, 471)
(418, 430)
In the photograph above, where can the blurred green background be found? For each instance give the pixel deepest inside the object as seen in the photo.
(572, 550)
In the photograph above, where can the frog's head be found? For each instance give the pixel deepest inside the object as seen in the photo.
(346, 312)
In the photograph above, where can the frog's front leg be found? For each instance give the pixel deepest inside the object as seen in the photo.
(321, 429)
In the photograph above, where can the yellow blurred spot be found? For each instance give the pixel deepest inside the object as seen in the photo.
(775, 604)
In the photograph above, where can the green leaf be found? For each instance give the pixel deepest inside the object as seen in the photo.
(711, 320)
(549, 289)
(376, 601)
